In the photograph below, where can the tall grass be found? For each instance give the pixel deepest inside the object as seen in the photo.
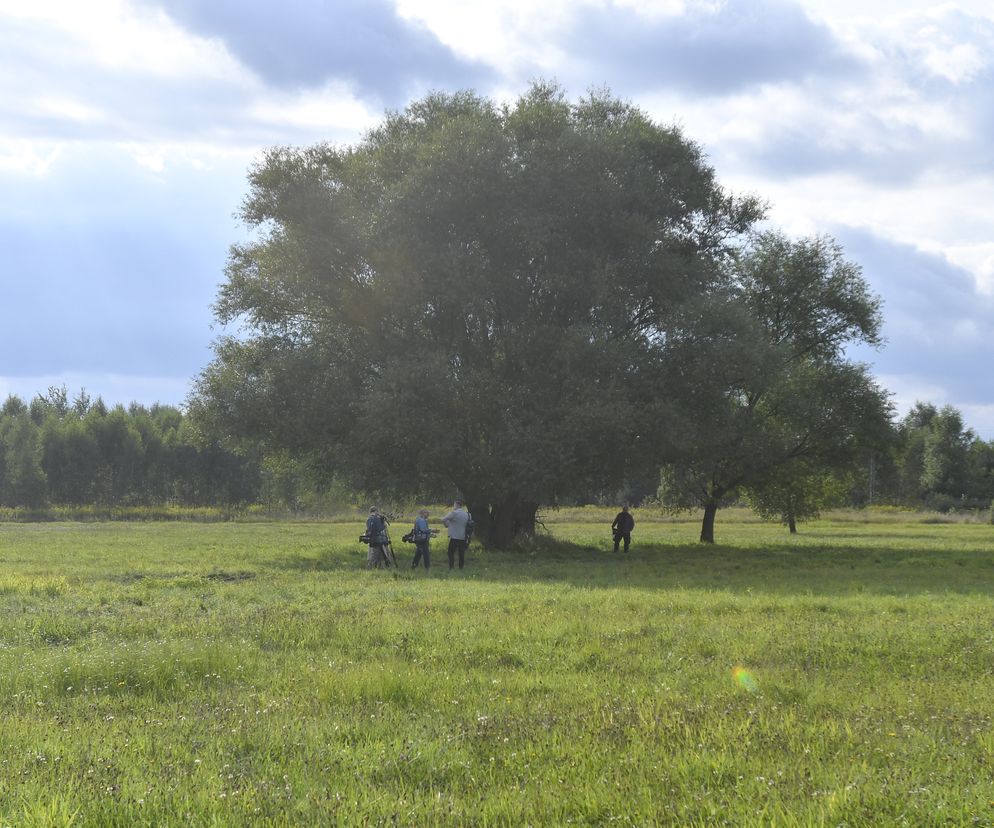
(236, 673)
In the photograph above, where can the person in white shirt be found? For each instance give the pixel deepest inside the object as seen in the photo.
(455, 521)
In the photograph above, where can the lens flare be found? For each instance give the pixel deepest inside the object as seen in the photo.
(744, 679)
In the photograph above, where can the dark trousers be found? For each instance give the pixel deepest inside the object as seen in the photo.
(622, 536)
(456, 545)
(421, 551)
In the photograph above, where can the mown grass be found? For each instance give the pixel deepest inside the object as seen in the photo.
(231, 674)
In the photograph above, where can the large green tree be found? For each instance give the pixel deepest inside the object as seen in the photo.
(769, 393)
(474, 299)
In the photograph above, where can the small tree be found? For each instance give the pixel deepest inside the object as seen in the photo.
(767, 382)
(799, 491)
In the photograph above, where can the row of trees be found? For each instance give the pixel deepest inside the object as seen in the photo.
(927, 460)
(75, 452)
(936, 462)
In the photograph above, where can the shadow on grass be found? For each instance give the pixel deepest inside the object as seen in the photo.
(334, 560)
(788, 568)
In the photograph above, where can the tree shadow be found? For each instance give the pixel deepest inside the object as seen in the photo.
(778, 569)
(334, 560)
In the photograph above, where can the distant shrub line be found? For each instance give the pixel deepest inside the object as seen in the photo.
(580, 514)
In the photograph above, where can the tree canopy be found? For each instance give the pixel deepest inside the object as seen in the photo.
(769, 393)
(474, 299)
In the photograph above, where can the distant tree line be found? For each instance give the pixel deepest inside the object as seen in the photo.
(57, 450)
(928, 460)
(935, 462)
(76, 452)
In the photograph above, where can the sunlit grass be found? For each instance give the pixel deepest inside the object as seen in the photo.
(160, 674)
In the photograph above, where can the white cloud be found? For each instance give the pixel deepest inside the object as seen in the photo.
(28, 158)
(65, 108)
(980, 418)
(956, 62)
(331, 109)
(115, 101)
(113, 72)
(907, 389)
(514, 36)
(115, 35)
(975, 257)
(864, 12)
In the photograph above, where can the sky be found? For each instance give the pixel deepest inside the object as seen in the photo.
(127, 128)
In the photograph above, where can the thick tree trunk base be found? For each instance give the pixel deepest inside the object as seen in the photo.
(503, 522)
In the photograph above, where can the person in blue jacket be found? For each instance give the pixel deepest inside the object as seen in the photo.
(422, 539)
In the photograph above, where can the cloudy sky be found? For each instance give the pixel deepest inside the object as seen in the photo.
(127, 126)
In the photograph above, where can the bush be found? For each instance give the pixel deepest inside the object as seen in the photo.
(947, 503)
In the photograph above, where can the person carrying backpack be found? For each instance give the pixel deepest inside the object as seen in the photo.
(376, 531)
(421, 535)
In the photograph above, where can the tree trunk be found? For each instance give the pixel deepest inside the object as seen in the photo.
(707, 526)
(500, 521)
(501, 525)
(477, 505)
(792, 524)
(524, 523)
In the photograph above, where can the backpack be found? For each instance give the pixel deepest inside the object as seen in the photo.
(470, 526)
(376, 528)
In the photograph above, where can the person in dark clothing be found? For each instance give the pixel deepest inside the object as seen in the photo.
(376, 529)
(622, 528)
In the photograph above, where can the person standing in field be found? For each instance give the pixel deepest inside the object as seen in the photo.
(422, 539)
(622, 528)
(455, 521)
(376, 531)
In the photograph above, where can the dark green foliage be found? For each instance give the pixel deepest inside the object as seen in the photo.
(768, 396)
(84, 453)
(799, 491)
(940, 463)
(22, 481)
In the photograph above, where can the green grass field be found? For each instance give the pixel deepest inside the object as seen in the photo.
(231, 674)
